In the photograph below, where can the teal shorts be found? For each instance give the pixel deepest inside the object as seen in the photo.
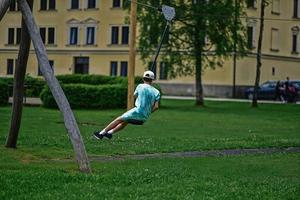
(133, 117)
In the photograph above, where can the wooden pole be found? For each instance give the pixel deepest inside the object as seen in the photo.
(18, 92)
(4, 4)
(132, 53)
(58, 94)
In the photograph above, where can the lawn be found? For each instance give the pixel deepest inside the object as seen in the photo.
(177, 126)
(32, 171)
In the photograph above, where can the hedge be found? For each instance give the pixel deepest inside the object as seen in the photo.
(94, 79)
(89, 96)
(34, 86)
(3, 93)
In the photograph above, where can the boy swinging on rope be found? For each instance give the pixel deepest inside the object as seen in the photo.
(147, 101)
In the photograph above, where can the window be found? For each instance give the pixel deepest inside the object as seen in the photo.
(125, 34)
(91, 4)
(14, 36)
(51, 35)
(48, 35)
(73, 35)
(43, 34)
(74, 4)
(295, 33)
(274, 39)
(296, 13)
(113, 68)
(250, 37)
(19, 31)
(81, 65)
(51, 63)
(163, 71)
(51, 4)
(43, 4)
(251, 3)
(48, 5)
(13, 5)
(275, 6)
(116, 4)
(124, 66)
(11, 36)
(10, 67)
(90, 35)
(114, 35)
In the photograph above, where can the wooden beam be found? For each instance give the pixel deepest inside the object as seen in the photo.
(132, 53)
(58, 94)
(4, 4)
(18, 91)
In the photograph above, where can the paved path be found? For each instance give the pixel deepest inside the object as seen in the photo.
(223, 99)
(37, 101)
(191, 154)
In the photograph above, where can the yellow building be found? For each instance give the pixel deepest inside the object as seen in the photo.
(90, 36)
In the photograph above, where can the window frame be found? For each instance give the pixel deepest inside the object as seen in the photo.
(114, 40)
(126, 40)
(92, 27)
(10, 66)
(117, 6)
(124, 68)
(70, 35)
(275, 42)
(114, 68)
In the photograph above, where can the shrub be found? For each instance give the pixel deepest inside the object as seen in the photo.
(89, 79)
(89, 96)
(94, 79)
(34, 86)
(3, 93)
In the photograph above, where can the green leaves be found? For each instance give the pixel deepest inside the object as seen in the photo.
(211, 24)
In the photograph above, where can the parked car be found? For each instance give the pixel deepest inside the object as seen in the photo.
(266, 91)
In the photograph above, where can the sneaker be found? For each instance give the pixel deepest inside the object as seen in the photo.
(98, 136)
(108, 135)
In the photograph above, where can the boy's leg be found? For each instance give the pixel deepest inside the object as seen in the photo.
(119, 127)
(113, 124)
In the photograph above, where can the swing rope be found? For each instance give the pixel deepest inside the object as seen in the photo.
(169, 14)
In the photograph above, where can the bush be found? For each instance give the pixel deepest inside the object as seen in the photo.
(89, 96)
(89, 79)
(3, 93)
(34, 86)
(94, 79)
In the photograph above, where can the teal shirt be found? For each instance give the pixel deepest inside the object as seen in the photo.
(146, 96)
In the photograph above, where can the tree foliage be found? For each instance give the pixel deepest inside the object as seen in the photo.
(210, 24)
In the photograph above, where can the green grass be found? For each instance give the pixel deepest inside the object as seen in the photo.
(238, 177)
(31, 172)
(178, 126)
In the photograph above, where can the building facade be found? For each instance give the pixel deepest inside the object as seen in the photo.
(91, 37)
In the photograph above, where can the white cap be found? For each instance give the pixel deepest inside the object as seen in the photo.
(149, 74)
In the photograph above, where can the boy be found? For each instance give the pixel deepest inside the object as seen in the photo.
(147, 101)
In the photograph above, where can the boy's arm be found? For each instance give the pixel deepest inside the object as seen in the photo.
(155, 106)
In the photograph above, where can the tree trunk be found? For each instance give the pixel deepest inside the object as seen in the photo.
(18, 92)
(4, 4)
(58, 94)
(199, 33)
(199, 87)
(258, 57)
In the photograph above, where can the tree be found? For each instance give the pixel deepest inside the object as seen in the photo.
(58, 94)
(18, 91)
(263, 5)
(201, 36)
(4, 4)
